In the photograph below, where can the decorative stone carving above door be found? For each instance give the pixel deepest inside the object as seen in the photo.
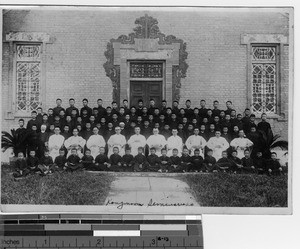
(146, 43)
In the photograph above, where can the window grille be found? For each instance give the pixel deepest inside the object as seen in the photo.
(28, 77)
(264, 79)
(146, 70)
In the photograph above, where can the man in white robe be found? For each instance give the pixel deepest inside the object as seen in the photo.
(196, 142)
(240, 144)
(137, 140)
(55, 142)
(218, 144)
(116, 140)
(95, 142)
(157, 141)
(174, 142)
(76, 142)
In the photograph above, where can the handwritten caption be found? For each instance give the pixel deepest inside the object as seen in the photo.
(151, 203)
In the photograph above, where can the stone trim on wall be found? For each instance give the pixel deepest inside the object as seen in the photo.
(28, 37)
(12, 38)
(146, 42)
(280, 40)
(264, 38)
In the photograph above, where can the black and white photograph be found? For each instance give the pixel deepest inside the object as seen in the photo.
(178, 110)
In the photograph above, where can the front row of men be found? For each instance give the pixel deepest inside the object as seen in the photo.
(151, 163)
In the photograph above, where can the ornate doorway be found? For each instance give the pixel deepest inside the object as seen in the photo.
(146, 43)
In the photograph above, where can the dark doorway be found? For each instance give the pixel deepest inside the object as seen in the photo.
(145, 90)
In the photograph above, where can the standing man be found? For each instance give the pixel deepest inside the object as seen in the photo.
(202, 109)
(101, 109)
(58, 108)
(189, 112)
(69, 110)
(137, 140)
(151, 107)
(216, 111)
(85, 103)
(229, 107)
(175, 108)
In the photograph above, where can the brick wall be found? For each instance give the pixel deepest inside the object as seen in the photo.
(217, 60)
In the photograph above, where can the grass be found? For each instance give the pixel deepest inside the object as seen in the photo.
(77, 188)
(245, 190)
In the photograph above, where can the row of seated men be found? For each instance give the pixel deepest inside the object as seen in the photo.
(152, 163)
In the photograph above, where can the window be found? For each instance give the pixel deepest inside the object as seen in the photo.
(28, 77)
(264, 78)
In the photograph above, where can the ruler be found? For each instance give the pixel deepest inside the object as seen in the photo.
(101, 231)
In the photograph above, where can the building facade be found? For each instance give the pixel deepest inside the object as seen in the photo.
(117, 54)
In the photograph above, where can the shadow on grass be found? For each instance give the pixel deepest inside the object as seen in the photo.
(77, 188)
(245, 190)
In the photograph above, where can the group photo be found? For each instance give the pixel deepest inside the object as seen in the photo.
(182, 107)
(140, 138)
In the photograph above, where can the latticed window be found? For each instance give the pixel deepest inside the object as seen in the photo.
(28, 77)
(264, 79)
(146, 70)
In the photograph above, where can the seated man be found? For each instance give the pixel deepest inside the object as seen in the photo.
(55, 143)
(173, 142)
(241, 144)
(185, 160)
(247, 162)
(87, 160)
(236, 162)
(196, 142)
(32, 162)
(127, 161)
(101, 161)
(21, 168)
(157, 141)
(116, 140)
(60, 161)
(273, 166)
(224, 164)
(115, 161)
(137, 140)
(260, 163)
(218, 144)
(73, 161)
(75, 142)
(140, 161)
(46, 164)
(209, 162)
(153, 161)
(197, 161)
(175, 162)
(164, 161)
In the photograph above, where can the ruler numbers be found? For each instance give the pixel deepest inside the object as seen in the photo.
(101, 242)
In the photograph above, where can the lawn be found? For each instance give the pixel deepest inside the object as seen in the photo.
(245, 190)
(77, 188)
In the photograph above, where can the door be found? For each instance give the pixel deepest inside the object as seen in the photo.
(145, 90)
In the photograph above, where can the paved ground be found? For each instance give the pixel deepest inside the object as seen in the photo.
(149, 191)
